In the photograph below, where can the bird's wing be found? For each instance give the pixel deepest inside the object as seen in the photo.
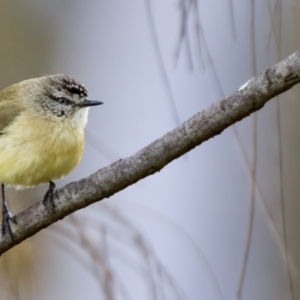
(10, 107)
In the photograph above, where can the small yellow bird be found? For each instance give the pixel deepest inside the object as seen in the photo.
(42, 123)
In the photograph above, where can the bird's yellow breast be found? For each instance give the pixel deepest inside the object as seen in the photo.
(35, 150)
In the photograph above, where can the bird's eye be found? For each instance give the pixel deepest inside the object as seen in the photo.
(62, 100)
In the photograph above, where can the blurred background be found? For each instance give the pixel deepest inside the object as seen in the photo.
(221, 222)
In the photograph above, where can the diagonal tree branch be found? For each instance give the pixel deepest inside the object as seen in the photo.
(122, 173)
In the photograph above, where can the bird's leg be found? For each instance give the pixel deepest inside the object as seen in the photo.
(6, 215)
(49, 196)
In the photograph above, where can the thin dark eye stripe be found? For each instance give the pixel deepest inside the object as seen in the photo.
(56, 99)
(67, 102)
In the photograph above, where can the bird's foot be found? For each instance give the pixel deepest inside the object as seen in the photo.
(6, 217)
(49, 196)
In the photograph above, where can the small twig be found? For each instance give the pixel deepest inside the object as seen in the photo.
(119, 175)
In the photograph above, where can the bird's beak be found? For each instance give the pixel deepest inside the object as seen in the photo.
(87, 103)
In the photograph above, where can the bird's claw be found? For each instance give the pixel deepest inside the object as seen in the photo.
(6, 217)
(49, 196)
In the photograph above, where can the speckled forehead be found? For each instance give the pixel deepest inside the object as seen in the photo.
(65, 84)
(74, 87)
